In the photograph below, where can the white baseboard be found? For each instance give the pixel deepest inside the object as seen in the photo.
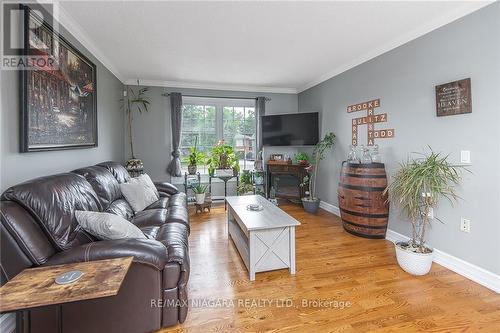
(329, 207)
(472, 272)
(7, 322)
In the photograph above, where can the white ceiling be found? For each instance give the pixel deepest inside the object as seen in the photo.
(259, 46)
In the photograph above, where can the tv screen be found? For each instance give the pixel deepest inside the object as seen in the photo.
(296, 129)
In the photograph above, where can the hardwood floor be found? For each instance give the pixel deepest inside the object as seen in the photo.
(332, 265)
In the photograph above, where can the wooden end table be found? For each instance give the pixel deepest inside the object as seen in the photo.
(35, 287)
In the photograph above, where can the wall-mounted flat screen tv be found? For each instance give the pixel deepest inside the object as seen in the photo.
(295, 129)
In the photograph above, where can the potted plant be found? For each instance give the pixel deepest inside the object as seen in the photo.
(134, 100)
(223, 161)
(195, 158)
(417, 188)
(302, 158)
(246, 185)
(311, 202)
(199, 192)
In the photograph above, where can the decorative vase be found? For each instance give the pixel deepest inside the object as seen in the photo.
(200, 198)
(192, 169)
(413, 262)
(135, 167)
(310, 206)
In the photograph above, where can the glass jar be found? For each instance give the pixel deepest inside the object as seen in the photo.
(366, 158)
(375, 155)
(352, 157)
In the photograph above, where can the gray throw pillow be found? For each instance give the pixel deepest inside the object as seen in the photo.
(107, 226)
(138, 193)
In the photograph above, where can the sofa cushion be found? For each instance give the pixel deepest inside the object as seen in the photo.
(118, 171)
(122, 208)
(103, 182)
(52, 201)
(160, 203)
(150, 217)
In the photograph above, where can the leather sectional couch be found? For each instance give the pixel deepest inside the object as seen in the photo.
(38, 228)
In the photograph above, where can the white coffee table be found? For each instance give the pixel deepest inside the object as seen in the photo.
(264, 239)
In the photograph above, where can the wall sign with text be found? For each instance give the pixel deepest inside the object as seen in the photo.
(453, 98)
(369, 120)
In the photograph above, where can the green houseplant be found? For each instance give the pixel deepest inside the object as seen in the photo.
(311, 202)
(199, 192)
(246, 185)
(416, 189)
(195, 158)
(223, 158)
(134, 100)
(302, 158)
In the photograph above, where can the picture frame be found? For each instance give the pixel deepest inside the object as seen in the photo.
(276, 157)
(59, 100)
(454, 98)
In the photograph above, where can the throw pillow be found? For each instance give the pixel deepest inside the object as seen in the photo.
(107, 226)
(138, 195)
(146, 181)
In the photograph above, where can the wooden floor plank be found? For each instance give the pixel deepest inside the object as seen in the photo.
(334, 266)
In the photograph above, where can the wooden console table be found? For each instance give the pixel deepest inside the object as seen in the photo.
(296, 170)
(35, 287)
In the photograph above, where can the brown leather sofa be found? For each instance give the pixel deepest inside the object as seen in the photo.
(38, 228)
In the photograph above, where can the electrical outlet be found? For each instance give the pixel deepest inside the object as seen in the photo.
(465, 156)
(430, 213)
(464, 225)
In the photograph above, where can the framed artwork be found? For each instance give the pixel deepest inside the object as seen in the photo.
(453, 98)
(58, 93)
(276, 157)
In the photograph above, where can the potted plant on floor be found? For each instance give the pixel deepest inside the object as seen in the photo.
(302, 158)
(311, 202)
(195, 158)
(199, 193)
(246, 184)
(417, 188)
(138, 101)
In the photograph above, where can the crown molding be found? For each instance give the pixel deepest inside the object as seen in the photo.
(416, 33)
(79, 33)
(211, 86)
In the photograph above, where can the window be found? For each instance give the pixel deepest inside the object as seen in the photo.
(208, 120)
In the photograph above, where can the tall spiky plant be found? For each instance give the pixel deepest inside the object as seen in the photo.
(417, 188)
(134, 101)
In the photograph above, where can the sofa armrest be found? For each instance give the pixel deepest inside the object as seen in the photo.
(146, 251)
(166, 188)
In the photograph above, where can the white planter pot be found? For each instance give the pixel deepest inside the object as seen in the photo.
(200, 198)
(412, 262)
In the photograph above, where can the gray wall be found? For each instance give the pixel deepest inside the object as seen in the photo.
(16, 167)
(404, 79)
(152, 134)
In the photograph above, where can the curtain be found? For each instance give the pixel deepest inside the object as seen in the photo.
(174, 168)
(260, 110)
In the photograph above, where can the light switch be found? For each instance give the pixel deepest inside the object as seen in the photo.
(465, 156)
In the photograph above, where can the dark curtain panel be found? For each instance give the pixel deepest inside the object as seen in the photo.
(174, 168)
(260, 110)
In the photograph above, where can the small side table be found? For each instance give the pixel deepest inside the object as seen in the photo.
(225, 179)
(207, 204)
(35, 287)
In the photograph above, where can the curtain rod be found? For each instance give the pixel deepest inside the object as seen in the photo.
(167, 95)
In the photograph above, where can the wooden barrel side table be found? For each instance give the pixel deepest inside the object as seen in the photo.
(363, 207)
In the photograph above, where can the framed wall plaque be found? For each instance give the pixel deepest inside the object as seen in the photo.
(453, 98)
(58, 95)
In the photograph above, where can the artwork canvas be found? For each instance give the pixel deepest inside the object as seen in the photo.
(58, 94)
(453, 98)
